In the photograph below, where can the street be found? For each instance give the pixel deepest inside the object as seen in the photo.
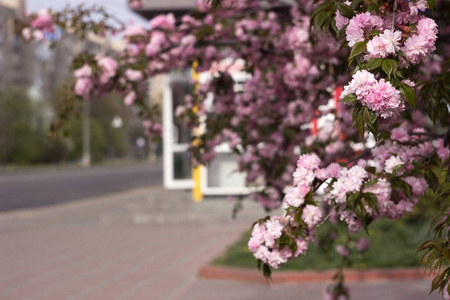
(35, 188)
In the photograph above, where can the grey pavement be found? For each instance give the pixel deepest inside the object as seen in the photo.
(141, 244)
(35, 188)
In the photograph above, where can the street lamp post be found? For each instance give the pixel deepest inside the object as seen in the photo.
(86, 159)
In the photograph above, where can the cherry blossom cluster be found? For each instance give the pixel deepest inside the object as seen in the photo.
(375, 176)
(80, 21)
(378, 95)
(386, 185)
(412, 34)
(41, 23)
(266, 245)
(396, 37)
(274, 241)
(101, 80)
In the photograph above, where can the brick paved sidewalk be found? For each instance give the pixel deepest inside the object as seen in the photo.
(143, 244)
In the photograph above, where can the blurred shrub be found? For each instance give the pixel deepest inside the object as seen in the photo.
(55, 150)
(21, 140)
(98, 140)
(24, 126)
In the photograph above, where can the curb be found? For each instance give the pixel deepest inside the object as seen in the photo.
(83, 203)
(246, 275)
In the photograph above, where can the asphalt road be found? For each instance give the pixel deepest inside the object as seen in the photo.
(35, 188)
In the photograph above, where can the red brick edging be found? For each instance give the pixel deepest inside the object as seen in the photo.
(226, 273)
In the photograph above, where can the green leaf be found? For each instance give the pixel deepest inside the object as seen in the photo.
(319, 9)
(395, 82)
(432, 4)
(350, 98)
(371, 170)
(369, 116)
(397, 168)
(334, 30)
(373, 63)
(360, 124)
(357, 49)
(402, 186)
(374, 33)
(374, 6)
(327, 23)
(437, 281)
(352, 198)
(442, 112)
(369, 121)
(399, 74)
(389, 66)
(345, 10)
(409, 94)
(446, 254)
(356, 69)
(320, 19)
(267, 272)
(372, 200)
(424, 246)
(355, 4)
(350, 62)
(341, 34)
(360, 210)
(356, 111)
(402, 54)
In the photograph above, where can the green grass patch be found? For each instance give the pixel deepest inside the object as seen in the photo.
(393, 244)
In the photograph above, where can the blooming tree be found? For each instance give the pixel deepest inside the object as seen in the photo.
(379, 151)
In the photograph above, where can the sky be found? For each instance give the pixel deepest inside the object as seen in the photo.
(119, 8)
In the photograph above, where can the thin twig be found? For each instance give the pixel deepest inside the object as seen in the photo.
(393, 15)
(366, 151)
(328, 216)
(430, 134)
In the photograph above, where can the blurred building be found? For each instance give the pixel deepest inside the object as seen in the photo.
(153, 8)
(33, 66)
(16, 57)
(41, 72)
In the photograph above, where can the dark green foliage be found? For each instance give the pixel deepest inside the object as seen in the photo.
(24, 131)
(393, 244)
(21, 138)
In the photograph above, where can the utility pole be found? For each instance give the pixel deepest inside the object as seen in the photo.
(151, 144)
(86, 160)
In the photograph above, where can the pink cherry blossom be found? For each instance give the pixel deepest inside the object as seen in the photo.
(84, 71)
(83, 87)
(341, 21)
(383, 99)
(130, 98)
(312, 215)
(134, 75)
(363, 244)
(43, 21)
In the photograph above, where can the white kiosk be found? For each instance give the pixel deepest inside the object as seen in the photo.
(220, 177)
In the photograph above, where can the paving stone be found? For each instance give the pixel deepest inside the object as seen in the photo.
(144, 244)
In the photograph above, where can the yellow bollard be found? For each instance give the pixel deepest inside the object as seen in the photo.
(197, 195)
